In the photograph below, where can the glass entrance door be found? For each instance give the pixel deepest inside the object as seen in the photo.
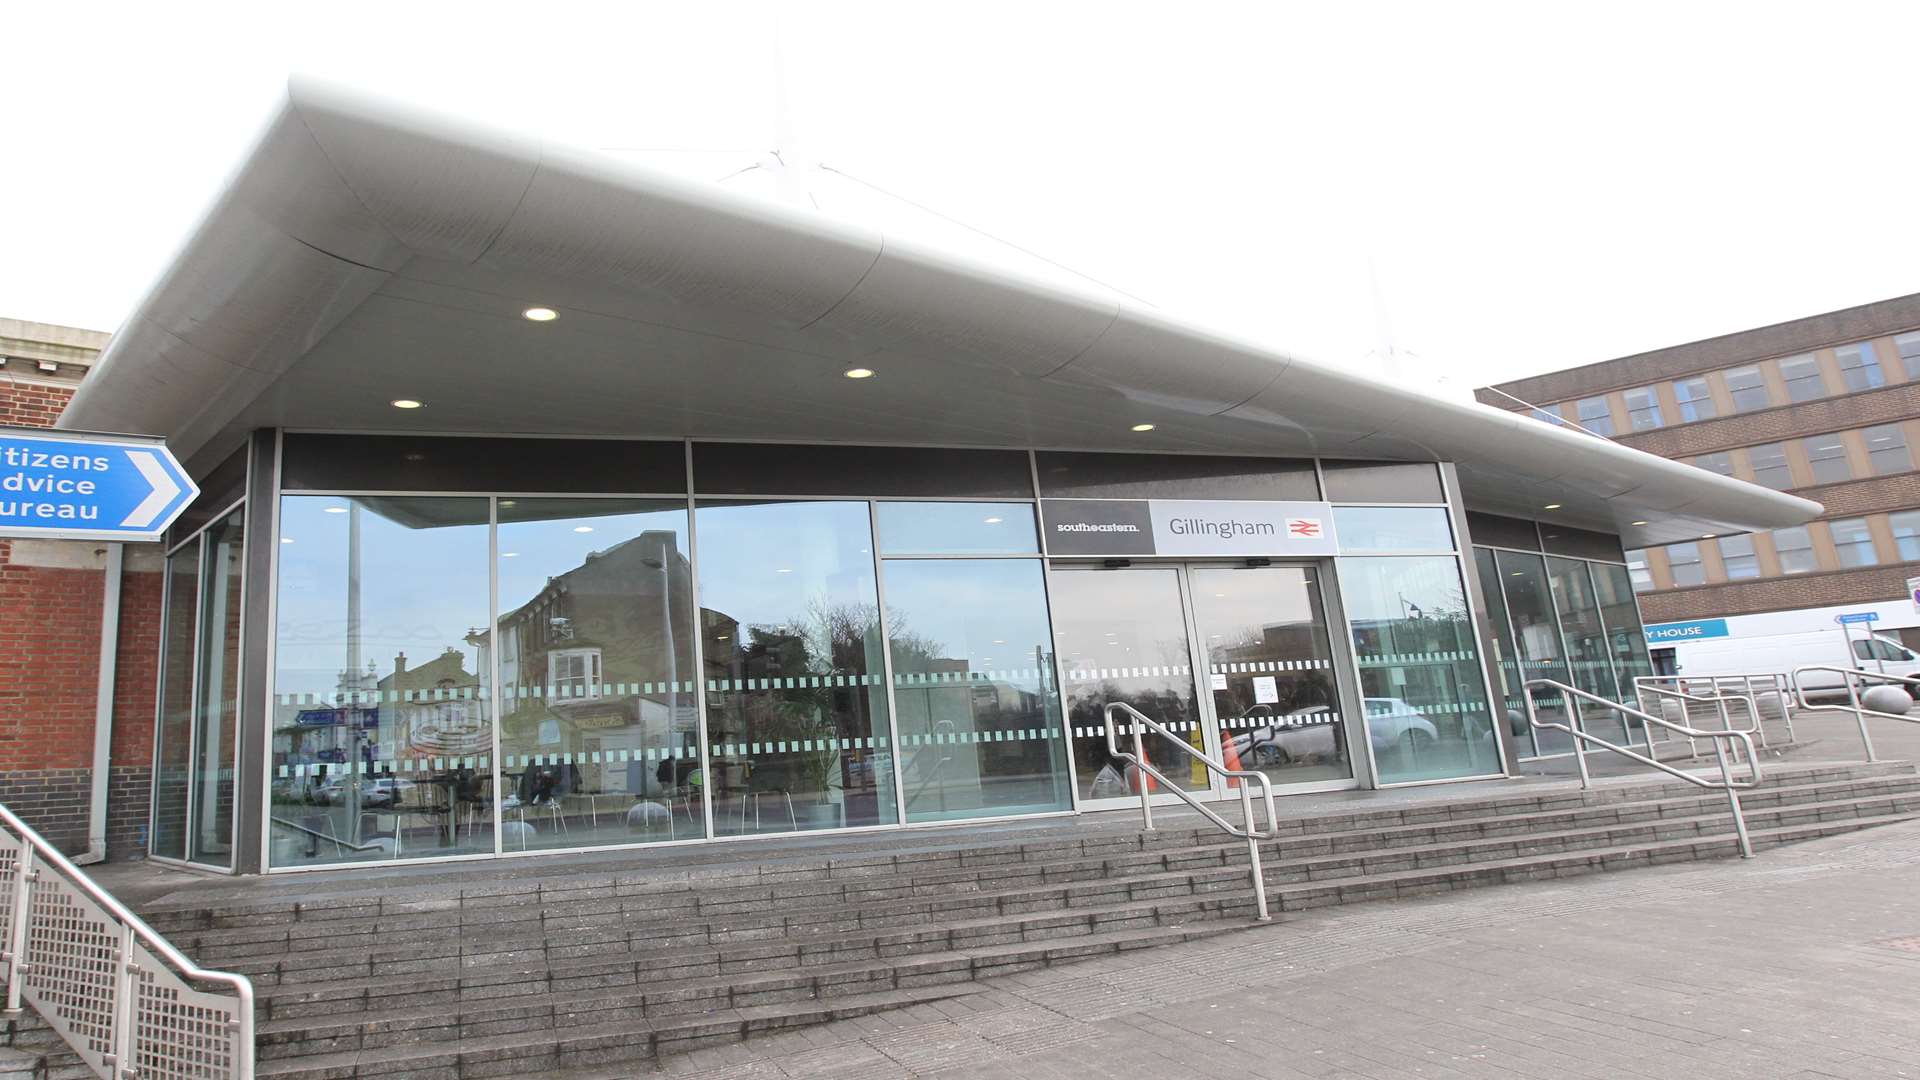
(1269, 666)
(1121, 635)
(1148, 635)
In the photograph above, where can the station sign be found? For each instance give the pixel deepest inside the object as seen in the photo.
(61, 485)
(1187, 528)
(1697, 630)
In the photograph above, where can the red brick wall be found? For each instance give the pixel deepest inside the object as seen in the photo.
(49, 672)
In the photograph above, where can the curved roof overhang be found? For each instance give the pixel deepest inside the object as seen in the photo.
(364, 252)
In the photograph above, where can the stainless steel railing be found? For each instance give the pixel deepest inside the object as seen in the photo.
(1854, 695)
(1581, 737)
(1752, 687)
(120, 994)
(1138, 759)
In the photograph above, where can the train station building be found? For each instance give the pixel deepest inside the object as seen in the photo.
(550, 504)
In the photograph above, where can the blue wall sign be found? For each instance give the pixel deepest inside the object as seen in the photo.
(1662, 633)
(72, 486)
(1856, 617)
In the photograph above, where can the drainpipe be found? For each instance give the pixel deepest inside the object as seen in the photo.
(103, 709)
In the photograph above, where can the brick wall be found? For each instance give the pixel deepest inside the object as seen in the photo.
(1883, 405)
(50, 596)
(1865, 585)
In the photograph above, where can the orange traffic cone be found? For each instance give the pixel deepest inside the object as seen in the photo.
(1231, 756)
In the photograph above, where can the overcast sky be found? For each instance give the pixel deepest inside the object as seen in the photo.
(1495, 190)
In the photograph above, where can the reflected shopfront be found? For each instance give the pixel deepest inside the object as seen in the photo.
(767, 641)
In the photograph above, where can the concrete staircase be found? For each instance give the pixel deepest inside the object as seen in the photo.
(599, 970)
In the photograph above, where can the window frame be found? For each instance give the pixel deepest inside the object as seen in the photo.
(1812, 379)
(1650, 410)
(1816, 447)
(1698, 407)
(1759, 386)
(1869, 363)
(1842, 547)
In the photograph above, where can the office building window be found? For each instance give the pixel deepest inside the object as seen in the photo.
(1795, 548)
(1852, 542)
(1906, 533)
(1637, 570)
(1594, 415)
(1749, 390)
(1770, 466)
(1860, 366)
(1802, 375)
(1737, 553)
(1827, 454)
(1643, 409)
(1696, 398)
(1887, 449)
(1721, 463)
(1683, 562)
(1909, 346)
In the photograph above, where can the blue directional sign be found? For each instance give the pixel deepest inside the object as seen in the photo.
(1857, 617)
(73, 486)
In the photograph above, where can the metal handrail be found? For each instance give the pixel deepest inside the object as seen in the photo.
(16, 932)
(1717, 700)
(1252, 835)
(1580, 737)
(1860, 712)
(1779, 684)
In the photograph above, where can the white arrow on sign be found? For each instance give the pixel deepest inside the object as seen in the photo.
(164, 489)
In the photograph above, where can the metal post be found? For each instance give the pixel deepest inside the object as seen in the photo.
(1259, 876)
(1733, 797)
(1859, 714)
(124, 969)
(24, 875)
(1786, 703)
(1579, 743)
(1140, 773)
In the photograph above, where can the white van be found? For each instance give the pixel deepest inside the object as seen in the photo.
(1781, 641)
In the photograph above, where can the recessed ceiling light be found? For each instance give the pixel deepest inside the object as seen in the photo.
(405, 403)
(783, 570)
(509, 554)
(999, 641)
(859, 373)
(506, 502)
(540, 314)
(286, 539)
(1517, 573)
(1142, 427)
(993, 521)
(1551, 506)
(583, 528)
(1706, 536)
(336, 509)
(1639, 523)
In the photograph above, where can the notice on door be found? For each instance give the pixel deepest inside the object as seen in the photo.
(1266, 691)
(1187, 527)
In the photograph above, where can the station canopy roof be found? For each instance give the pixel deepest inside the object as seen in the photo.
(364, 252)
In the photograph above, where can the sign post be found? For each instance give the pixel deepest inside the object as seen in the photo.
(1860, 618)
(70, 485)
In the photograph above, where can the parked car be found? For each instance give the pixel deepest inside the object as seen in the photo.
(375, 792)
(1314, 733)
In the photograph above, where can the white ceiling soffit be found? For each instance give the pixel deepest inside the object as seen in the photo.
(362, 245)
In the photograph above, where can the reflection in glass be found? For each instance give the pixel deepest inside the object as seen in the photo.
(1121, 637)
(1270, 669)
(956, 528)
(1425, 695)
(598, 743)
(790, 635)
(1626, 640)
(1587, 646)
(173, 757)
(1506, 661)
(1392, 528)
(219, 691)
(1537, 640)
(977, 711)
(382, 734)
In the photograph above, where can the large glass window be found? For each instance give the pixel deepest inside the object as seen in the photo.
(977, 709)
(796, 695)
(599, 741)
(1420, 677)
(1537, 640)
(1594, 415)
(1803, 379)
(1887, 449)
(1853, 542)
(956, 528)
(1626, 639)
(1695, 396)
(1795, 548)
(1860, 366)
(1748, 388)
(1392, 528)
(1685, 566)
(1637, 569)
(1770, 466)
(1507, 676)
(381, 724)
(217, 714)
(1588, 650)
(1827, 456)
(173, 753)
(1643, 409)
(1736, 552)
(1906, 533)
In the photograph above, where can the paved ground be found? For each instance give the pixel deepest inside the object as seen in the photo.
(1803, 963)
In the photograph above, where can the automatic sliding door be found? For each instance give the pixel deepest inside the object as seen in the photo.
(1121, 636)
